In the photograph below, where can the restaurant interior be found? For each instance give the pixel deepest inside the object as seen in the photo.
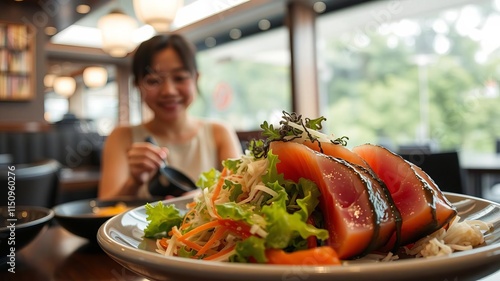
(421, 78)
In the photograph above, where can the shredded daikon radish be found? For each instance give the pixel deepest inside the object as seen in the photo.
(208, 202)
(159, 247)
(459, 236)
(254, 191)
(256, 229)
(171, 246)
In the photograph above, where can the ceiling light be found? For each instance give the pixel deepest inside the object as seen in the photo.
(235, 33)
(95, 76)
(116, 29)
(64, 86)
(319, 7)
(264, 24)
(83, 9)
(210, 42)
(48, 80)
(50, 30)
(157, 13)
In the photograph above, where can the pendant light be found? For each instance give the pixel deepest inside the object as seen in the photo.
(116, 29)
(157, 13)
(95, 76)
(48, 80)
(64, 86)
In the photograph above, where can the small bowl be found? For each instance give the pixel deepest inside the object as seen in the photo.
(84, 217)
(21, 225)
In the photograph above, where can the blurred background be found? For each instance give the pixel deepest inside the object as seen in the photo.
(406, 74)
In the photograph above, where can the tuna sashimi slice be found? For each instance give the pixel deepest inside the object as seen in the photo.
(355, 208)
(338, 151)
(423, 207)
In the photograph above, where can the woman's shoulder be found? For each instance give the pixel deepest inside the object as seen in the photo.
(225, 138)
(121, 131)
(223, 132)
(120, 134)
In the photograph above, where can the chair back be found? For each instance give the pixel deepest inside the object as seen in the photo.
(443, 167)
(34, 184)
(414, 149)
(246, 136)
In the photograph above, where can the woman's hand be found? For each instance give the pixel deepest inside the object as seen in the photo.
(144, 159)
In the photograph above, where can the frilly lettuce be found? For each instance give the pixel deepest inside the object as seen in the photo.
(161, 219)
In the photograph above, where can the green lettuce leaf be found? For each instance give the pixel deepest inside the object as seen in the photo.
(235, 189)
(161, 219)
(232, 164)
(233, 211)
(283, 228)
(252, 247)
(272, 173)
(310, 200)
(208, 178)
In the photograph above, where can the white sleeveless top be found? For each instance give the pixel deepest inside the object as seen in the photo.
(192, 158)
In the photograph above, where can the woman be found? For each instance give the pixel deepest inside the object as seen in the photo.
(165, 71)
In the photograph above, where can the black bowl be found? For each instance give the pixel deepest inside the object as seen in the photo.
(20, 226)
(80, 217)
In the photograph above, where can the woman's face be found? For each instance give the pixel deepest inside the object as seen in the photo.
(170, 88)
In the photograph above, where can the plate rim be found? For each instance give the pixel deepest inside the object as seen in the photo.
(179, 265)
(48, 215)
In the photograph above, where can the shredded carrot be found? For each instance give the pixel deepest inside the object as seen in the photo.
(200, 228)
(219, 231)
(324, 255)
(176, 232)
(219, 185)
(164, 243)
(190, 205)
(221, 253)
(218, 189)
(190, 244)
(186, 242)
(217, 235)
(184, 224)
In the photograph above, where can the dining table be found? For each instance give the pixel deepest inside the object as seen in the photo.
(57, 254)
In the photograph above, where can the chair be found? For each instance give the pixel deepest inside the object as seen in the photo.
(491, 188)
(34, 184)
(5, 159)
(247, 136)
(443, 167)
(414, 148)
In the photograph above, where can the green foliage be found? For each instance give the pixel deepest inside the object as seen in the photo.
(375, 93)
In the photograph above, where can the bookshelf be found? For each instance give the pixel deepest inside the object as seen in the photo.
(17, 54)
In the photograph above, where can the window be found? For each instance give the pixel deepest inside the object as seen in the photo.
(101, 106)
(55, 107)
(245, 81)
(412, 72)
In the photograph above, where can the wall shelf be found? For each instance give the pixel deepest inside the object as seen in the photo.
(17, 56)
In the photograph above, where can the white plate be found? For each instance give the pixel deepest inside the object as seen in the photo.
(121, 238)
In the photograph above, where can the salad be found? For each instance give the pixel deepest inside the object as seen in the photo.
(255, 211)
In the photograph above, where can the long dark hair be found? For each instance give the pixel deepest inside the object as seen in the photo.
(141, 63)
